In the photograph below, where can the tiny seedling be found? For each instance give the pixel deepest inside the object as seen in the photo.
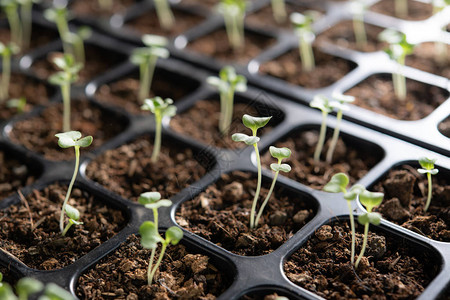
(302, 28)
(6, 51)
(338, 184)
(339, 102)
(66, 140)
(358, 9)
(160, 108)
(253, 123)
(76, 40)
(427, 165)
(401, 8)
(279, 154)
(369, 200)
(279, 11)
(321, 102)
(59, 15)
(145, 58)
(398, 49)
(150, 238)
(164, 13)
(11, 9)
(233, 12)
(64, 79)
(26, 9)
(18, 103)
(227, 83)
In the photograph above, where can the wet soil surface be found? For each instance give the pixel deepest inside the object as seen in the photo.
(416, 10)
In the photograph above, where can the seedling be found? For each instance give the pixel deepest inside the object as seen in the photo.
(150, 238)
(279, 11)
(76, 40)
(64, 79)
(233, 12)
(358, 9)
(427, 165)
(11, 9)
(164, 13)
(302, 28)
(338, 184)
(66, 140)
(26, 8)
(279, 154)
(59, 16)
(321, 102)
(253, 123)
(160, 108)
(397, 51)
(227, 83)
(6, 52)
(442, 56)
(18, 103)
(401, 8)
(369, 200)
(146, 58)
(339, 103)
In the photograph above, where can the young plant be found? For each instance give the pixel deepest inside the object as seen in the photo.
(279, 154)
(146, 58)
(279, 11)
(427, 165)
(233, 12)
(369, 200)
(227, 83)
(11, 9)
(160, 108)
(321, 102)
(66, 140)
(401, 8)
(358, 8)
(64, 79)
(164, 13)
(339, 103)
(76, 40)
(59, 16)
(398, 49)
(338, 184)
(26, 9)
(253, 123)
(150, 238)
(302, 28)
(6, 52)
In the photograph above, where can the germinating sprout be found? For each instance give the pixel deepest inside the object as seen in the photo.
(398, 49)
(303, 29)
(164, 13)
(11, 9)
(6, 51)
(64, 79)
(321, 102)
(279, 11)
(160, 108)
(66, 140)
(233, 12)
(428, 168)
(253, 123)
(18, 103)
(59, 15)
(227, 83)
(145, 58)
(358, 9)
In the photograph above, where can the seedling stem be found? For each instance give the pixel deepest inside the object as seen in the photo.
(302, 27)
(358, 9)
(165, 15)
(322, 103)
(233, 12)
(11, 9)
(279, 11)
(6, 51)
(401, 8)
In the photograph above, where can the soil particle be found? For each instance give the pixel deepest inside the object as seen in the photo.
(400, 185)
(417, 10)
(83, 8)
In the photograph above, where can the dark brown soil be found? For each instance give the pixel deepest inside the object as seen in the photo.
(43, 247)
(444, 127)
(342, 34)
(425, 58)
(14, 175)
(221, 213)
(416, 10)
(91, 8)
(349, 158)
(209, 4)
(260, 296)
(264, 17)
(23, 86)
(288, 67)
(98, 60)
(376, 93)
(39, 36)
(38, 133)
(148, 23)
(128, 170)
(216, 45)
(201, 122)
(123, 275)
(391, 269)
(405, 197)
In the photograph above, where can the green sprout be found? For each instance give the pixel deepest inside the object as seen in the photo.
(427, 165)
(253, 123)
(150, 238)
(59, 15)
(18, 103)
(279, 154)
(279, 11)
(227, 83)
(369, 200)
(64, 79)
(321, 102)
(358, 8)
(11, 9)
(164, 13)
(233, 12)
(442, 56)
(66, 140)
(6, 51)
(160, 108)
(338, 184)
(339, 103)
(26, 9)
(398, 49)
(401, 8)
(302, 28)
(76, 40)
(146, 58)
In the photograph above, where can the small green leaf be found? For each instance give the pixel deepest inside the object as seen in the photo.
(72, 138)
(152, 40)
(370, 218)
(6, 292)
(280, 153)
(160, 203)
(84, 32)
(280, 167)
(149, 197)
(354, 192)
(174, 235)
(27, 286)
(160, 52)
(85, 142)
(370, 199)
(337, 184)
(72, 212)
(427, 163)
(55, 292)
(321, 102)
(254, 123)
(241, 137)
(149, 235)
(391, 36)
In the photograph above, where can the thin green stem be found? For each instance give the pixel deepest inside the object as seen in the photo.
(78, 47)
(157, 144)
(279, 11)
(14, 22)
(164, 13)
(335, 137)
(223, 113)
(321, 141)
(69, 190)
(65, 90)
(306, 54)
(150, 264)
(401, 8)
(229, 98)
(266, 200)
(63, 29)
(352, 228)
(442, 56)
(258, 186)
(67, 228)
(151, 71)
(144, 87)
(26, 16)
(430, 186)
(399, 80)
(6, 76)
(156, 266)
(360, 31)
(363, 249)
